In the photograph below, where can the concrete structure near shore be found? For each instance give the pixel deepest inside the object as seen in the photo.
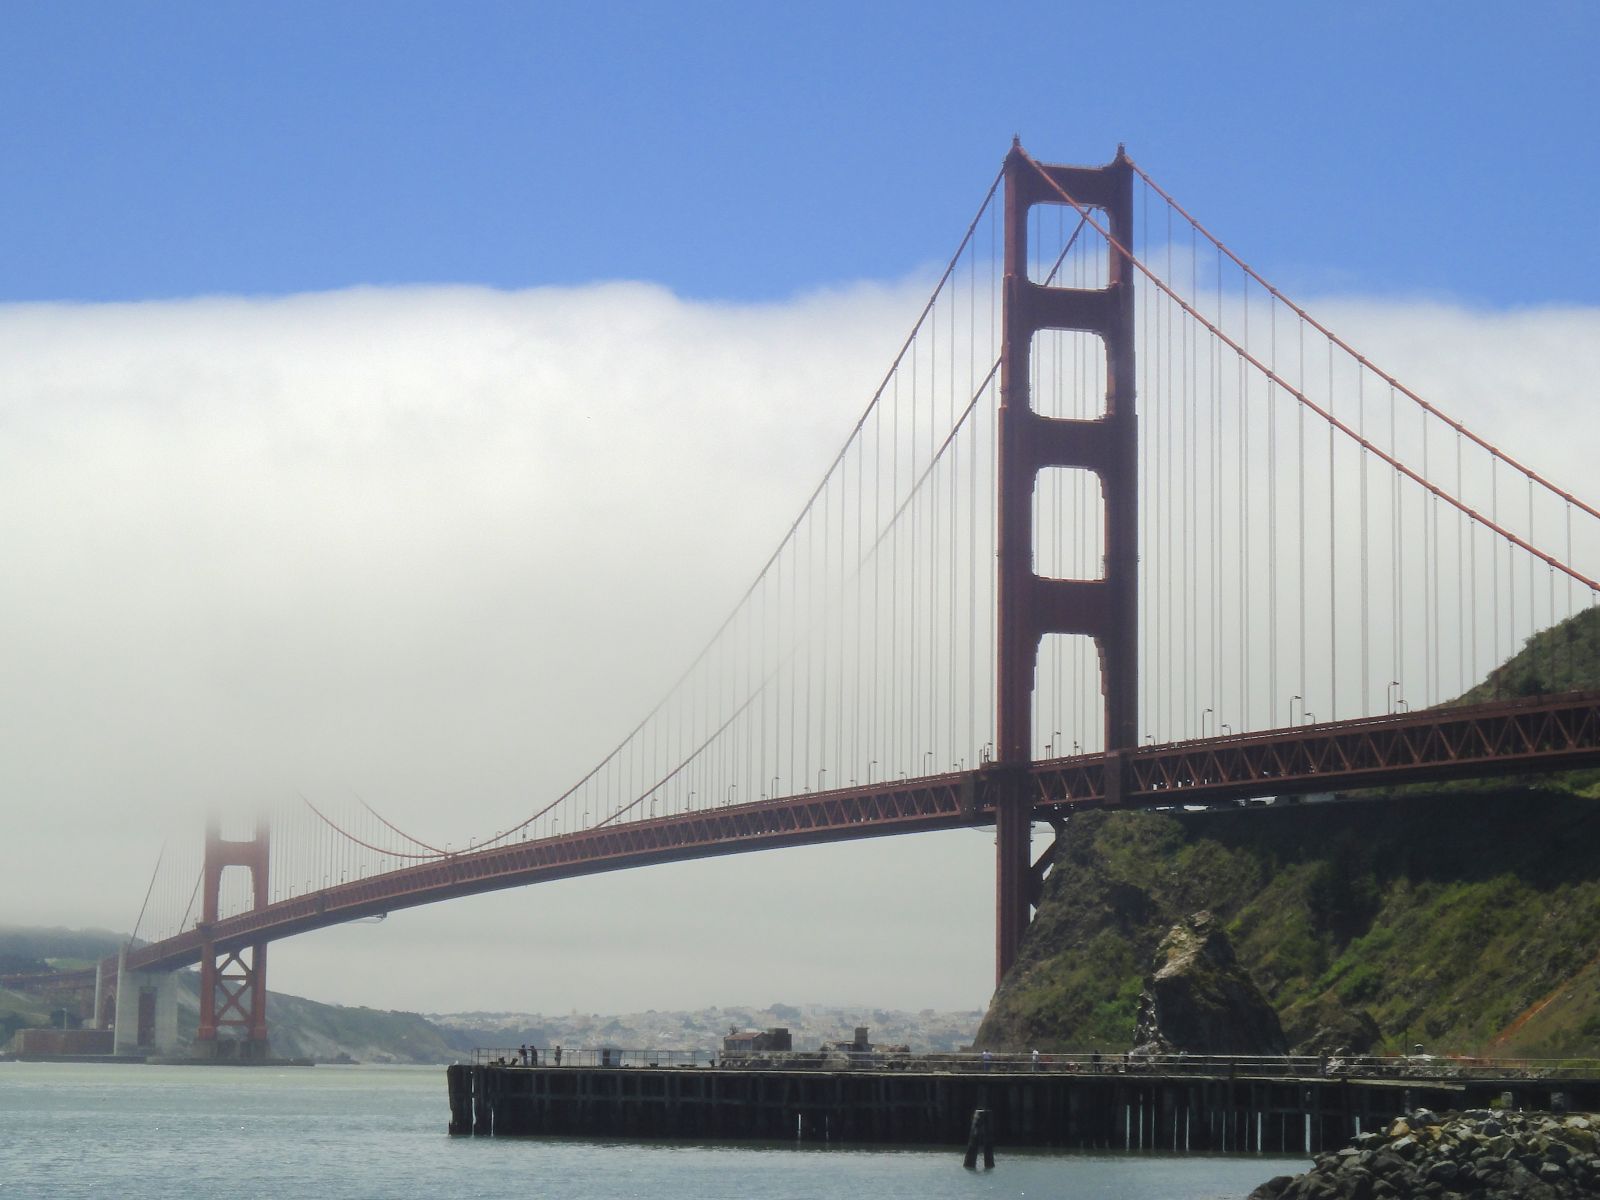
(1209, 1107)
(146, 1018)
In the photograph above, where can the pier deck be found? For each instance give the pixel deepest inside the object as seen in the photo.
(1191, 1111)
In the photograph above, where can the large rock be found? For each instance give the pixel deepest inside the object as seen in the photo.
(1489, 1156)
(1333, 1029)
(1201, 1001)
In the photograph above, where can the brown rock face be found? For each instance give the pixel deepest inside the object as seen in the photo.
(1201, 1001)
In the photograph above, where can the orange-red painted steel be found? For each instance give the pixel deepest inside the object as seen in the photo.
(1028, 606)
(233, 991)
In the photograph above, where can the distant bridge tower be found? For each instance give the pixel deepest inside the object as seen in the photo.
(1029, 606)
(233, 984)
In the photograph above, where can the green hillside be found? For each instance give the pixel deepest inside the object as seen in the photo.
(1466, 918)
(24, 948)
(1563, 658)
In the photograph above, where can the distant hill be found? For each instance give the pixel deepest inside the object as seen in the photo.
(25, 949)
(1464, 917)
(810, 1025)
(304, 1028)
(301, 1028)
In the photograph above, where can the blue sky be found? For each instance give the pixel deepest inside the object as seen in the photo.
(748, 151)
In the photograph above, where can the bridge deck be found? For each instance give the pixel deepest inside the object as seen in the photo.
(1520, 737)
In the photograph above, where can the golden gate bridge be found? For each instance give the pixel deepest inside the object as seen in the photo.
(1121, 524)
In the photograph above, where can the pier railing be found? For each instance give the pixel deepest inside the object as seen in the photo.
(1399, 1067)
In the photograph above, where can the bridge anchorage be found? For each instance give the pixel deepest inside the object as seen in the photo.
(1011, 597)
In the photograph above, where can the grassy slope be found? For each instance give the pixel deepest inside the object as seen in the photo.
(1563, 658)
(18, 1011)
(1445, 917)
(1467, 920)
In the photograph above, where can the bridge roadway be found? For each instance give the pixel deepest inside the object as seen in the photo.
(1518, 737)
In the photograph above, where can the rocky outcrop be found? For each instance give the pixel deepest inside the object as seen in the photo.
(1338, 1031)
(1482, 1154)
(1200, 1000)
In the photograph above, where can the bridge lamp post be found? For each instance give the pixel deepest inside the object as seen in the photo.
(821, 771)
(775, 787)
(1227, 729)
(870, 765)
(927, 762)
(1204, 713)
(1292, 699)
(732, 788)
(1391, 695)
(1307, 717)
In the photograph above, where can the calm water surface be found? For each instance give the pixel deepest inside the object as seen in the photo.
(139, 1132)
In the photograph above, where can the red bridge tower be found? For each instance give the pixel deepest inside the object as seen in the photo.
(233, 987)
(1029, 606)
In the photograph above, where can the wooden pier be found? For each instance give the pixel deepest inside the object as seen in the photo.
(1108, 1111)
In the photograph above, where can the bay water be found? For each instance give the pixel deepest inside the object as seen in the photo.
(369, 1132)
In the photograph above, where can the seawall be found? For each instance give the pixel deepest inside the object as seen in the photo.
(1227, 1111)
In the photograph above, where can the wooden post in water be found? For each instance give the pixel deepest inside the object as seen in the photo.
(980, 1134)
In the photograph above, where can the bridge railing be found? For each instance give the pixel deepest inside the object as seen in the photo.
(1399, 1067)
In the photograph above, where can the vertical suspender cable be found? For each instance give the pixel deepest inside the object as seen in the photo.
(1333, 570)
(1300, 486)
(1366, 589)
(1272, 514)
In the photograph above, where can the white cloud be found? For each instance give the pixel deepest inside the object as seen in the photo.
(442, 546)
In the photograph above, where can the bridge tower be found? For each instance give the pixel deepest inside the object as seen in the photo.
(1030, 606)
(233, 984)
